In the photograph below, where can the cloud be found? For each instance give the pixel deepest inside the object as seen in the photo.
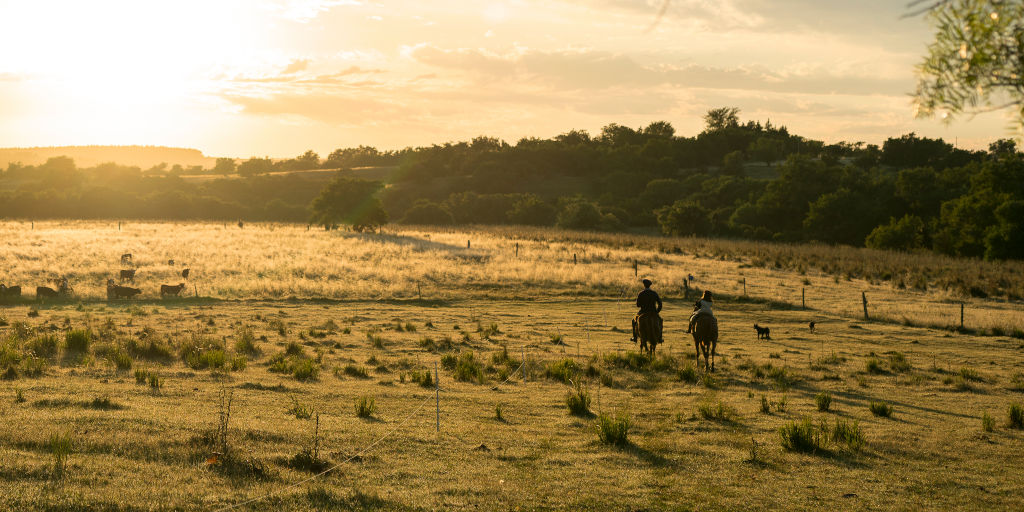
(335, 107)
(304, 11)
(590, 70)
(295, 66)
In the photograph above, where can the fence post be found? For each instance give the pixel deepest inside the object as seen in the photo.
(744, 287)
(636, 271)
(517, 249)
(961, 315)
(525, 379)
(573, 258)
(437, 396)
(467, 244)
(803, 298)
(864, 299)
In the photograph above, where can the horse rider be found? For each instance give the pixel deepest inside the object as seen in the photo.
(702, 307)
(650, 304)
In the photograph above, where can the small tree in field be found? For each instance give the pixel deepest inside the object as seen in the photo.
(349, 201)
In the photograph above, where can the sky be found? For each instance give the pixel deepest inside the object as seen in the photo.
(277, 77)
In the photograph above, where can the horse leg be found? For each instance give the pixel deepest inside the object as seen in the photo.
(714, 345)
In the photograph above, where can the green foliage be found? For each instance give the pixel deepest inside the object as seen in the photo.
(300, 410)
(349, 201)
(823, 400)
(898, 363)
(1015, 416)
(718, 411)
(365, 406)
(578, 400)
(563, 370)
(880, 409)
(905, 234)
(78, 340)
(684, 218)
(988, 423)
(873, 366)
(245, 342)
(614, 430)
(469, 369)
(766, 407)
(60, 447)
(802, 436)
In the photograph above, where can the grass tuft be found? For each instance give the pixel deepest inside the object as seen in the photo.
(614, 430)
(365, 406)
(881, 409)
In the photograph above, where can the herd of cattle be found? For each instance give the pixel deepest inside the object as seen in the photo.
(115, 290)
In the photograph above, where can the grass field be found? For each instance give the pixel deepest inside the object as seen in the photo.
(123, 405)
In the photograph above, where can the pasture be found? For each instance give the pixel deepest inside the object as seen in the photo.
(123, 405)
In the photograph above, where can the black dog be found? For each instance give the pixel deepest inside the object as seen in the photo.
(763, 333)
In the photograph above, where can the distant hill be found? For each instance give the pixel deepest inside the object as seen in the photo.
(88, 156)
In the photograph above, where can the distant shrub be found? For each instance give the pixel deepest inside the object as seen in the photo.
(300, 410)
(614, 430)
(78, 340)
(424, 378)
(766, 407)
(356, 371)
(45, 345)
(305, 369)
(873, 366)
(687, 373)
(468, 369)
(801, 437)
(564, 370)
(1015, 416)
(849, 434)
(898, 362)
(988, 423)
(365, 406)
(578, 401)
(823, 400)
(245, 342)
(716, 412)
(880, 409)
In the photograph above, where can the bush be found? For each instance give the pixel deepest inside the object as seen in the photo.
(468, 369)
(613, 431)
(688, 373)
(881, 409)
(578, 401)
(823, 400)
(716, 412)
(78, 340)
(988, 423)
(849, 434)
(299, 410)
(801, 437)
(424, 378)
(355, 371)
(564, 370)
(246, 342)
(305, 369)
(45, 345)
(365, 406)
(898, 362)
(1015, 416)
(873, 366)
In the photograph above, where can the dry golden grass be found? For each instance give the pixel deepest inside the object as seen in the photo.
(274, 261)
(696, 441)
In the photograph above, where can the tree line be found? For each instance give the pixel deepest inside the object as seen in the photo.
(736, 179)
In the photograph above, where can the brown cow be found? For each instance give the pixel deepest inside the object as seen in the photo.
(126, 258)
(171, 290)
(184, 273)
(10, 292)
(116, 292)
(128, 275)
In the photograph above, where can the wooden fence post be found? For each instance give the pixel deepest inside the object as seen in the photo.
(467, 244)
(803, 298)
(864, 299)
(744, 287)
(517, 249)
(636, 272)
(961, 315)
(573, 258)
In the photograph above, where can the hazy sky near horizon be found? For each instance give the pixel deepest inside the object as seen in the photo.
(277, 77)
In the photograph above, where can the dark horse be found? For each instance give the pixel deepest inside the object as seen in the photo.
(649, 330)
(705, 337)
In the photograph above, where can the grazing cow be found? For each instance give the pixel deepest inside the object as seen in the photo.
(763, 333)
(45, 292)
(10, 292)
(126, 258)
(811, 325)
(128, 275)
(171, 290)
(184, 273)
(116, 292)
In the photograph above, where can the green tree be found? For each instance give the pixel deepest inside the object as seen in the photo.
(684, 218)
(532, 211)
(767, 149)
(976, 59)
(732, 164)
(306, 161)
(224, 166)
(905, 234)
(721, 118)
(429, 213)
(1005, 240)
(349, 201)
(254, 166)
